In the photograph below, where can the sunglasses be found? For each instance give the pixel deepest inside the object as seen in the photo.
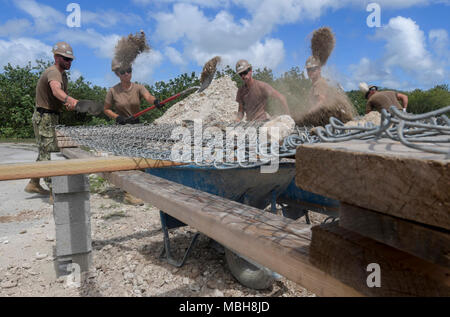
(373, 88)
(67, 59)
(245, 73)
(123, 72)
(312, 69)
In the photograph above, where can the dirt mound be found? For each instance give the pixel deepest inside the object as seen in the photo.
(373, 117)
(215, 104)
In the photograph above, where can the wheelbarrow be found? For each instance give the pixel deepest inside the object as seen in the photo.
(244, 185)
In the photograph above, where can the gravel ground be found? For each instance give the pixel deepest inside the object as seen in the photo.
(127, 241)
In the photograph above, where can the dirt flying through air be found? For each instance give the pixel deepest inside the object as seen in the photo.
(127, 49)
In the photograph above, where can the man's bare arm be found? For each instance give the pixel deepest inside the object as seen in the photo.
(61, 95)
(404, 99)
(240, 114)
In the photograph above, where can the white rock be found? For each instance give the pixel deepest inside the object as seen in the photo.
(8, 284)
(26, 265)
(194, 287)
(50, 238)
(217, 293)
(40, 256)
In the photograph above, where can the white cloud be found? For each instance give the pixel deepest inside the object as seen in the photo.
(45, 17)
(103, 45)
(405, 45)
(109, 18)
(144, 66)
(174, 56)
(406, 52)
(200, 3)
(14, 27)
(23, 50)
(439, 41)
(205, 37)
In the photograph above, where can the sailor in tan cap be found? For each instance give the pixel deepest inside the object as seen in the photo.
(254, 94)
(51, 97)
(378, 100)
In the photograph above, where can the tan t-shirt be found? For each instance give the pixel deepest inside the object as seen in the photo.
(44, 95)
(383, 100)
(254, 100)
(126, 102)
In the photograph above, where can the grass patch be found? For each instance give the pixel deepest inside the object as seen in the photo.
(114, 214)
(13, 140)
(97, 184)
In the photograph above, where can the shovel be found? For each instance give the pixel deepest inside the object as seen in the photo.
(209, 70)
(89, 106)
(184, 92)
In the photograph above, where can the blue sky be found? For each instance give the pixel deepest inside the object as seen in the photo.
(409, 50)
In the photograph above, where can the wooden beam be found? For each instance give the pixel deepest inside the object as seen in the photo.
(77, 166)
(65, 142)
(381, 175)
(426, 242)
(346, 256)
(275, 242)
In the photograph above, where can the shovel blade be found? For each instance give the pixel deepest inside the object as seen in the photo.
(206, 82)
(89, 106)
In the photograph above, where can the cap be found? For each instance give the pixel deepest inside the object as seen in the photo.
(242, 65)
(63, 49)
(366, 88)
(312, 62)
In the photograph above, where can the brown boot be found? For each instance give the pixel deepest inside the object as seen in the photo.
(50, 198)
(34, 187)
(130, 199)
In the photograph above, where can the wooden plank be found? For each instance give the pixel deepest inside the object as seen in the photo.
(64, 141)
(346, 256)
(77, 166)
(66, 144)
(381, 175)
(275, 242)
(426, 242)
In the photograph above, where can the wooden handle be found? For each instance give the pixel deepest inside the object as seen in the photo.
(77, 166)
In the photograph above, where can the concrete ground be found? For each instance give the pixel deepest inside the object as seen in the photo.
(14, 201)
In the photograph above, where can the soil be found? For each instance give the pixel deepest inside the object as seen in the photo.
(217, 103)
(126, 245)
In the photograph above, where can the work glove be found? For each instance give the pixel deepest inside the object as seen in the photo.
(120, 120)
(131, 120)
(157, 104)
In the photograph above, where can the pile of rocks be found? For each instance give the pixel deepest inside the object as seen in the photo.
(214, 104)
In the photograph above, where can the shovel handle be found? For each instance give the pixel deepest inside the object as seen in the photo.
(165, 101)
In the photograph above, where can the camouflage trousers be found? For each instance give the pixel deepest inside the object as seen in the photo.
(45, 134)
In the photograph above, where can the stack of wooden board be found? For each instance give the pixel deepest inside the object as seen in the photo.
(395, 212)
(64, 141)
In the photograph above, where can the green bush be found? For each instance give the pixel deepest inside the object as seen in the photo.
(18, 92)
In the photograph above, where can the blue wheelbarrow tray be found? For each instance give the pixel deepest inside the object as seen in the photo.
(245, 185)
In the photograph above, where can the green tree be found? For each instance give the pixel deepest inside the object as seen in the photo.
(17, 95)
(430, 100)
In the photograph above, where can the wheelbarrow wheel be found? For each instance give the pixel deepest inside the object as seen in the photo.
(248, 274)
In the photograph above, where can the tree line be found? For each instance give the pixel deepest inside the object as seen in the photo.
(18, 91)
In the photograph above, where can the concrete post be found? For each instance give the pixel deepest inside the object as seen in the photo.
(71, 211)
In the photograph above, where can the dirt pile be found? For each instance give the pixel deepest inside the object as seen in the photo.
(217, 103)
(373, 117)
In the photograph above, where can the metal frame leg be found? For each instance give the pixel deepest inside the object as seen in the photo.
(166, 249)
